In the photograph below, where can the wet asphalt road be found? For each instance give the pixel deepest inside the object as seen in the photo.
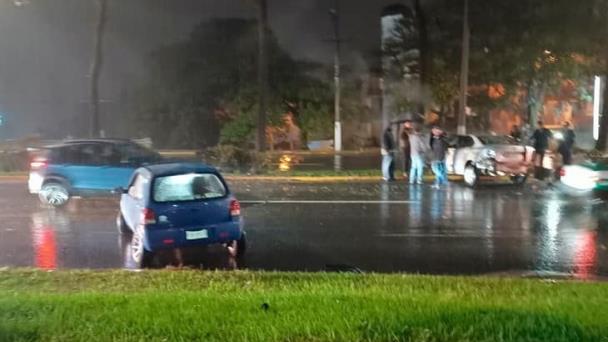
(371, 226)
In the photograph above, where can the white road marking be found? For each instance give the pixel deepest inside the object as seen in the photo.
(447, 235)
(325, 202)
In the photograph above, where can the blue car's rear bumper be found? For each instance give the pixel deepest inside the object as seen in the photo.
(168, 238)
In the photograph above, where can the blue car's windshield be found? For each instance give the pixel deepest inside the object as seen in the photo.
(188, 187)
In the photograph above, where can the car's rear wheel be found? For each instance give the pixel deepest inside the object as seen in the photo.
(54, 194)
(121, 225)
(519, 179)
(237, 248)
(471, 175)
(139, 254)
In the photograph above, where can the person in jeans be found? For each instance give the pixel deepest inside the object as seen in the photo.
(439, 147)
(404, 145)
(418, 150)
(388, 158)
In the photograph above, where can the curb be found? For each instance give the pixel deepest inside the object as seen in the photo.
(323, 179)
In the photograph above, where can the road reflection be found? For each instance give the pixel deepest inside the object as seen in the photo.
(453, 230)
(45, 227)
(76, 239)
(567, 238)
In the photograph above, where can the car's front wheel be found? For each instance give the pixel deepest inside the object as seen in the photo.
(471, 175)
(237, 248)
(54, 194)
(139, 254)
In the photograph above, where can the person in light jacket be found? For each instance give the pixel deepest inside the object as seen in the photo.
(418, 149)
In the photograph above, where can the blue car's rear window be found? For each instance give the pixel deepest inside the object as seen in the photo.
(188, 187)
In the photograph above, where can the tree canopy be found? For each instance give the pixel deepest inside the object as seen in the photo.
(205, 88)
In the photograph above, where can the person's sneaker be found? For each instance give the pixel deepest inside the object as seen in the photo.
(436, 187)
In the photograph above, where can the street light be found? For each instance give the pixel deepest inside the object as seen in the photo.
(597, 105)
(464, 71)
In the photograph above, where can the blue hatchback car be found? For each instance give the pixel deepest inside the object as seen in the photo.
(85, 167)
(178, 205)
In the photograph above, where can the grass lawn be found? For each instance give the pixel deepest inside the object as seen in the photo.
(249, 306)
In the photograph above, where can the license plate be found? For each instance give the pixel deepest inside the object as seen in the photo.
(197, 235)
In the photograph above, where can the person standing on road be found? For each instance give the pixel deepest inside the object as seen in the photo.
(404, 144)
(566, 145)
(439, 147)
(540, 140)
(418, 150)
(388, 158)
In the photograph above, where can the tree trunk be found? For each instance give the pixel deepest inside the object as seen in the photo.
(536, 98)
(262, 74)
(96, 65)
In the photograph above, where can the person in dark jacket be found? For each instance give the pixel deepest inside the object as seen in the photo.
(404, 145)
(566, 145)
(388, 155)
(439, 147)
(540, 139)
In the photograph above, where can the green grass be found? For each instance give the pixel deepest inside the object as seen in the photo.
(228, 306)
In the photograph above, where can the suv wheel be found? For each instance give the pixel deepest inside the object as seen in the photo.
(54, 194)
(471, 176)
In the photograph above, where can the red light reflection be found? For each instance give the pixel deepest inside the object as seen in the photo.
(585, 257)
(45, 248)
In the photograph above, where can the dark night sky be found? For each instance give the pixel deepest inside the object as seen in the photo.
(46, 45)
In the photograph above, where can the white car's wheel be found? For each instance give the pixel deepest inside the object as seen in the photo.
(519, 179)
(471, 176)
(54, 194)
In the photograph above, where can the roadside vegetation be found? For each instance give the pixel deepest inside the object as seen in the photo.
(251, 306)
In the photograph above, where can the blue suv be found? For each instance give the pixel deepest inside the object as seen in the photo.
(85, 168)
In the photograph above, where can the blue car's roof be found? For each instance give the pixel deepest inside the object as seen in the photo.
(168, 169)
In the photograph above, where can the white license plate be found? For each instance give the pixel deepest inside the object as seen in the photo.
(197, 235)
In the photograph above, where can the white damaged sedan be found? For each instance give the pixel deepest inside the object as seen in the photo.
(472, 156)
